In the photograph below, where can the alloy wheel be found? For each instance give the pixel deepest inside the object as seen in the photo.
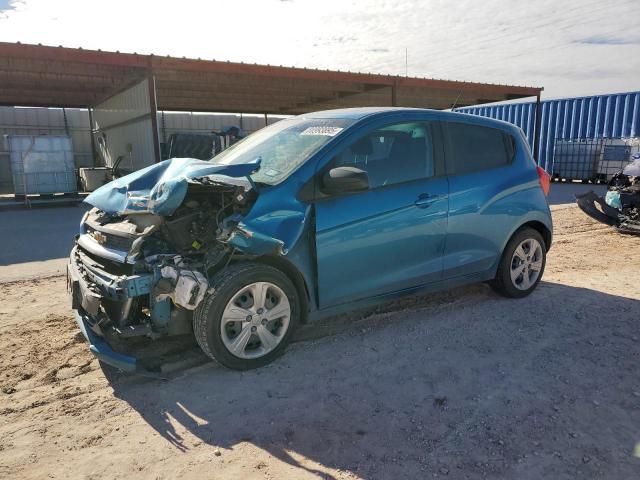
(255, 320)
(526, 264)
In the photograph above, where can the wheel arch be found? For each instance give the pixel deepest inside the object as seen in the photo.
(541, 228)
(538, 225)
(294, 275)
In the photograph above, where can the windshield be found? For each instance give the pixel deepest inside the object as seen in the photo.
(283, 146)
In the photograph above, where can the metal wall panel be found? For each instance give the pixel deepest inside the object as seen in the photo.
(603, 116)
(130, 104)
(123, 123)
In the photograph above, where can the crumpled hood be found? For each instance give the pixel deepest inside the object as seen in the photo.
(160, 188)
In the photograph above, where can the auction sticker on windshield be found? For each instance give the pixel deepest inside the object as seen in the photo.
(323, 131)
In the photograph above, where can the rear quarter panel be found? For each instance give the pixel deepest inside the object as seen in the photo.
(487, 207)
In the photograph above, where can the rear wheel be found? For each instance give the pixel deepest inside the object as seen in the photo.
(248, 319)
(522, 264)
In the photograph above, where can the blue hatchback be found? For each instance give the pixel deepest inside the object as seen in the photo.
(312, 216)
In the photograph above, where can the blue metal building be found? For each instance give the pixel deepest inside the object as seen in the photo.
(602, 116)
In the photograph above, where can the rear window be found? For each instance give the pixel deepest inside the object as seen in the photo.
(472, 148)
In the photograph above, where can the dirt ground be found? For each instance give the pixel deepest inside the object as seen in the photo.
(461, 384)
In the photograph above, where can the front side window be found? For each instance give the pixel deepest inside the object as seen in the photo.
(283, 146)
(471, 148)
(392, 154)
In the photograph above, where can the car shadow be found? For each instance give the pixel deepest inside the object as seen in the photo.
(428, 384)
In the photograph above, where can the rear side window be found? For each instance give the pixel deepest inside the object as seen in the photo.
(471, 148)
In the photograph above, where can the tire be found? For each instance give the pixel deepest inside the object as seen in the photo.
(239, 282)
(503, 283)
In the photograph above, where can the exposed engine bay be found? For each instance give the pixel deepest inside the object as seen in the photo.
(148, 272)
(620, 207)
(193, 231)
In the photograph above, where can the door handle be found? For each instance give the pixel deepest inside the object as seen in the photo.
(425, 200)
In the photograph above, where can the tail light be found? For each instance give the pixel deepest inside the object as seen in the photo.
(545, 179)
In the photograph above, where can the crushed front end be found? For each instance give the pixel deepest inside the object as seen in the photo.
(620, 207)
(135, 273)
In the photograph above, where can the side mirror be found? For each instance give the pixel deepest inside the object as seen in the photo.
(344, 180)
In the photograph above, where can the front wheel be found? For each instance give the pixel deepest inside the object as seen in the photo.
(522, 264)
(249, 317)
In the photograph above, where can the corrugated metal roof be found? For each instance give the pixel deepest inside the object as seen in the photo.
(36, 75)
(601, 116)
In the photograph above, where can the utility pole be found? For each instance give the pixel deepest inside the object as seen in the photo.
(406, 62)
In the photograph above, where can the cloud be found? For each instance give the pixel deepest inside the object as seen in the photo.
(5, 6)
(600, 40)
(543, 43)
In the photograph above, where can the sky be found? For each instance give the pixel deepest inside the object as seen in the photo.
(570, 47)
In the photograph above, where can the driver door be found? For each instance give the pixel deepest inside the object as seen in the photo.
(391, 236)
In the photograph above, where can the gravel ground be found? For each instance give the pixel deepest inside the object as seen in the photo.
(461, 384)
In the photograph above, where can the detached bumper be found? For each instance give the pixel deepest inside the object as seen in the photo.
(596, 208)
(101, 349)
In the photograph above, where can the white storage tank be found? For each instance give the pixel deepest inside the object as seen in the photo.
(42, 164)
(576, 159)
(616, 153)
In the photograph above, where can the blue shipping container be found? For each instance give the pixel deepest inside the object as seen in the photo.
(603, 116)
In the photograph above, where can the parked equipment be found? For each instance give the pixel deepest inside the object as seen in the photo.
(93, 178)
(201, 146)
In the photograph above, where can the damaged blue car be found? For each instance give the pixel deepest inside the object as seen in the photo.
(312, 216)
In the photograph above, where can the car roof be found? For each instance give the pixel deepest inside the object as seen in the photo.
(364, 112)
(358, 113)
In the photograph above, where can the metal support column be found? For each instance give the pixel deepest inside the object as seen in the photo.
(154, 117)
(66, 122)
(164, 127)
(394, 93)
(536, 131)
(94, 155)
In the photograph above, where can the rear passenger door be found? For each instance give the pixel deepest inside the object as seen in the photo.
(478, 160)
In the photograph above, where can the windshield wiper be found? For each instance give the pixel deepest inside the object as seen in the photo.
(253, 184)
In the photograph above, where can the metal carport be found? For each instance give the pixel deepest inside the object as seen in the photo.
(36, 75)
(44, 76)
